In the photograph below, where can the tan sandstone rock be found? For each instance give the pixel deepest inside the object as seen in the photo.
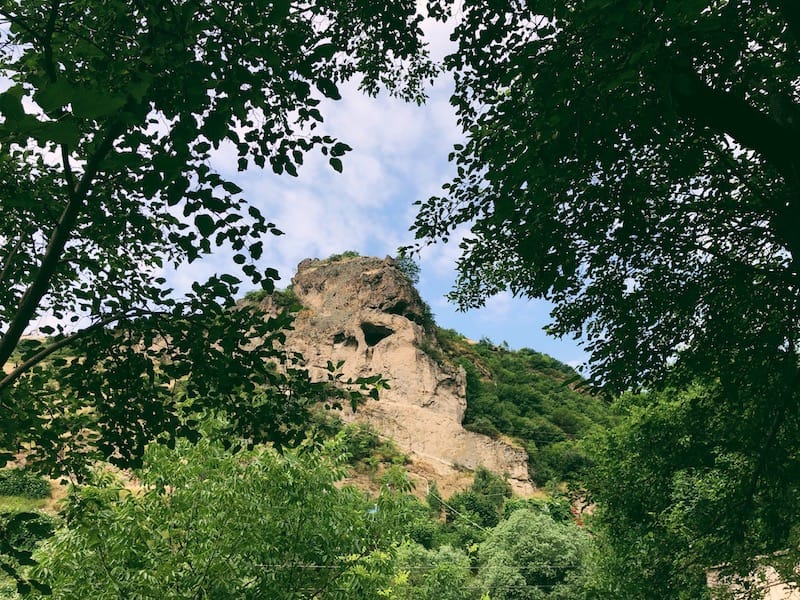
(365, 312)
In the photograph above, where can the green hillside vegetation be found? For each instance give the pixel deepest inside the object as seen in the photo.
(532, 398)
(216, 521)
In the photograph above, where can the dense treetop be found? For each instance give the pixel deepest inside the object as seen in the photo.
(637, 163)
(111, 113)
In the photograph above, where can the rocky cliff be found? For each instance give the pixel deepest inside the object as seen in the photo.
(365, 312)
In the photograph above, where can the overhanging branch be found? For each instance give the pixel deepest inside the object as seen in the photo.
(55, 247)
(63, 343)
(726, 113)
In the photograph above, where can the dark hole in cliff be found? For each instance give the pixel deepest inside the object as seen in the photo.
(402, 308)
(375, 333)
(343, 338)
(398, 309)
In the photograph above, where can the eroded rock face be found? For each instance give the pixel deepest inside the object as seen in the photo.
(365, 312)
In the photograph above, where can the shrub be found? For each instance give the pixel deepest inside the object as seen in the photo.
(256, 295)
(365, 446)
(281, 298)
(23, 530)
(434, 499)
(483, 426)
(17, 482)
(286, 299)
(408, 267)
(342, 256)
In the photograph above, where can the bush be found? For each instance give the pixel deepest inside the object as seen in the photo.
(22, 530)
(281, 298)
(434, 500)
(483, 426)
(363, 445)
(563, 461)
(408, 267)
(286, 299)
(16, 482)
(256, 295)
(342, 256)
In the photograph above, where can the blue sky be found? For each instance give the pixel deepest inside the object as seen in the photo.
(399, 156)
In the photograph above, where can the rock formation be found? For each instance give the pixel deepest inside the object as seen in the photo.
(365, 312)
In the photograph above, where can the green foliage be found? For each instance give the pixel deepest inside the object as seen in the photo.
(366, 448)
(528, 395)
(560, 461)
(434, 499)
(284, 299)
(20, 532)
(220, 365)
(433, 351)
(408, 267)
(341, 256)
(580, 172)
(475, 508)
(678, 494)
(25, 533)
(396, 479)
(427, 318)
(530, 556)
(482, 502)
(134, 125)
(484, 426)
(441, 574)
(557, 508)
(225, 524)
(489, 484)
(256, 295)
(19, 482)
(634, 163)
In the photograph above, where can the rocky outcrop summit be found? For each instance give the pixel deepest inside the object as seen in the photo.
(365, 312)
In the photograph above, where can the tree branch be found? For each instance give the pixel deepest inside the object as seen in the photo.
(45, 352)
(790, 9)
(10, 259)
(55, 247)
(726, 113)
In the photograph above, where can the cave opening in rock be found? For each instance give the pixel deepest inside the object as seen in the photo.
(398, 308)
(375, 333)
(343, 338)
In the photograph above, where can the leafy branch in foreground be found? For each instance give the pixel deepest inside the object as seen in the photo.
(112, 116)
(222, 523)
(636, 163)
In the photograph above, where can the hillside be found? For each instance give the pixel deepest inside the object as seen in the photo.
(529, 396)
(453, 405)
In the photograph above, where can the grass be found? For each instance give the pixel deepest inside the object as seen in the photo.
(21, 504)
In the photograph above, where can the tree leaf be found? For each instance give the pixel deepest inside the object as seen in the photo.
(205, 225)
(328, 88)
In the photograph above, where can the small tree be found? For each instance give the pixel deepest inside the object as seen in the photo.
(407, 266)
(530, 556)
(219, 524)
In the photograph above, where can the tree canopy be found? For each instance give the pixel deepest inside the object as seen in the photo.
(218, 524)
(637, 163)
(111, 114)
(681, 486)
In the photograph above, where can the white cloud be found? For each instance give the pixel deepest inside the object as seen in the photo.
(399, 156)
